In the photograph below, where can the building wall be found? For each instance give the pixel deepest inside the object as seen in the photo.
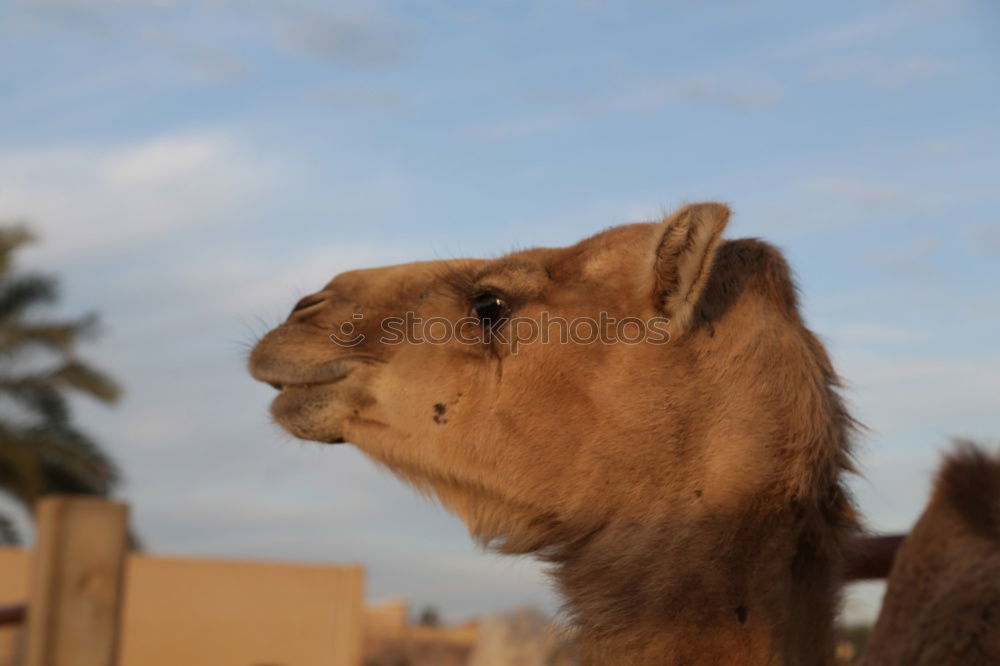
(391, 640)
(227, 613)
(13, 590)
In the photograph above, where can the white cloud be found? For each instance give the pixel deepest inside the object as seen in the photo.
(160, 162)
(85, 199)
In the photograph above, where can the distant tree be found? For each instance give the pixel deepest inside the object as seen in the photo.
(429, 617)
(41, 450)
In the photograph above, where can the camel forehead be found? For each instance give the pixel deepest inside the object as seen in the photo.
(599, 257)
(397, 281)
(602, 257)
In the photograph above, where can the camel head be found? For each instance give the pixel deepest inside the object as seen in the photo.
(644, 407)
(646, 371)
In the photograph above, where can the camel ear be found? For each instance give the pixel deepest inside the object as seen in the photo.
(685, 248)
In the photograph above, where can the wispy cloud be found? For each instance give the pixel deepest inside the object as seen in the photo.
(903, 395)
(985, 237)
(87, 199)
(937, 149)
(864, 30)
(911, 257)
(857, 191)
(365, 97)
(877, 72)
(629, 95)
(734, 92)
(208, 60)
(358, 39)
(873, 333)
(254, 285)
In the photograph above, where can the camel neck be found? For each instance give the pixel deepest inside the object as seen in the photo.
(642, 596)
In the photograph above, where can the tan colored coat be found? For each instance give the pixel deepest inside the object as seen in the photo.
(688, 495)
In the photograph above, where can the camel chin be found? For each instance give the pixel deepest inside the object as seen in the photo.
(311, 412)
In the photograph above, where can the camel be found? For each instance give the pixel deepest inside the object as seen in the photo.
(676, 449)
(942, 604)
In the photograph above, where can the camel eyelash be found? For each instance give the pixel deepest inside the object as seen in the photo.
(459, 281)
(466, 284)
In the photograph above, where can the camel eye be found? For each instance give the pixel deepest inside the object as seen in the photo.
(490, 309)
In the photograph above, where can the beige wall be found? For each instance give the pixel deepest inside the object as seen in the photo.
(13, 590)
(227, 613)
(391, 640)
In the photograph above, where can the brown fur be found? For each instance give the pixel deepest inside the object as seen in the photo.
(942, 604)
(688, 495)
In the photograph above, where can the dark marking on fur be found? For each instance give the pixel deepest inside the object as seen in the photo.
(741, 614)
(439, 410)
(697, 493)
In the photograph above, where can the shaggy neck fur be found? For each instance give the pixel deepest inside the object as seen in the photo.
(757, 588)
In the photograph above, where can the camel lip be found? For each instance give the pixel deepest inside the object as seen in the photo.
(282, 375)
(278, 386)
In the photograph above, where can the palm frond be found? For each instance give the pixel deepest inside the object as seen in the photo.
(59, 337)
(12, 236)
(72, 462)
(43, 393)
(40, 396)
(78, 375)
(20, 293)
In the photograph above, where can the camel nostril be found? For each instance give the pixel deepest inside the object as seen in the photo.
(308, 301)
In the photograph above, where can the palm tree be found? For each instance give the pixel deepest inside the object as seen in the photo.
(41, 451)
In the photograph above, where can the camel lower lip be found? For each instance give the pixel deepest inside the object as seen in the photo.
(309, 411)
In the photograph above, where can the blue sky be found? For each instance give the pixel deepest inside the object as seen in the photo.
(195, 167)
